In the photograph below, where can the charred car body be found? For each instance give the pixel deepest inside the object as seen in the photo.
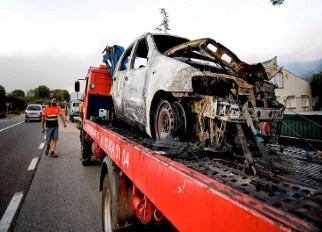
(197, 90)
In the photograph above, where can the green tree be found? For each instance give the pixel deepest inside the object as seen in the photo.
(2, 98)
(66, 95)
(61, 94)
(2, 91)
(30, 95)
(17, 100)
(164, 26)
(42, 92)
(18, 93)
(16, 103)
(56, 93)
(277, 2)
(316, 86)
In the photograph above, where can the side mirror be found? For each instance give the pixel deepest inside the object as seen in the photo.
(77, 86)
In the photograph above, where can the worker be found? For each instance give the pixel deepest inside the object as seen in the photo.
(50, 115)
(66, 112)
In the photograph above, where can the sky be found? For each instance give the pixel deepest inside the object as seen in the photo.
(53, 43)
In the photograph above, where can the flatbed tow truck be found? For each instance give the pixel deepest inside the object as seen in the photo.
(187, 190)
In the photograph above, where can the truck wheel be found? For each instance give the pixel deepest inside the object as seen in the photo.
(117, 214)
(86, 151)
(108, 221)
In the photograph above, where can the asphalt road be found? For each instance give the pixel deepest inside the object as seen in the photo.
(19, 144)
(59, 194)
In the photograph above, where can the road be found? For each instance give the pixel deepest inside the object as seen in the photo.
(55, 194)
(17, 148)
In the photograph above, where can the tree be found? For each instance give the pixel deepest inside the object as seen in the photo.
(16, 103)
(66, 95)
(17, 99)
(164, 26)
(42, 92)
(61, 94)
(30, 95)
(2, 98)
(18, 93)
(316, 86)
(277, 2)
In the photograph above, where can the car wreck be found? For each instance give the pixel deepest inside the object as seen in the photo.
(196, 91)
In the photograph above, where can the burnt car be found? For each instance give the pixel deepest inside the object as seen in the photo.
(166, 85)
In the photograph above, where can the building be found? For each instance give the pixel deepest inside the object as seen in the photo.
(294, 92)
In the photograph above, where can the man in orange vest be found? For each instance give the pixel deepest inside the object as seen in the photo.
(50, 115)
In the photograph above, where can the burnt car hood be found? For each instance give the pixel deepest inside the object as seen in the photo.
(209, 50)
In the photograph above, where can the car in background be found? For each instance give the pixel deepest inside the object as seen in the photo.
(33, 112)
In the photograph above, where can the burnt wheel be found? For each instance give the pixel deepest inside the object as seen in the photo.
(169, 119)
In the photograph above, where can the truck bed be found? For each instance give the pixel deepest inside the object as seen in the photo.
(296, 187)
(291, 197)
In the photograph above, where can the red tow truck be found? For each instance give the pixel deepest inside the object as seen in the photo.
(144, 188)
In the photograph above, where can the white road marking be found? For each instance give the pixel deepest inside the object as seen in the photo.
(33, 164)
(11, 126)
(10, 212)
(41, 146)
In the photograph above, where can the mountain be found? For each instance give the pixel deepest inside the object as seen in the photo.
(305, 70)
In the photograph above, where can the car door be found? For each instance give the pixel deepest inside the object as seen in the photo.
(119, 82)
(135, 85)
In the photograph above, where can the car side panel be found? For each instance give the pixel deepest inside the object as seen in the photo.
(168, 75)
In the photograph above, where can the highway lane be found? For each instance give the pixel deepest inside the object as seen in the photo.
(64, 195)
(19, 145)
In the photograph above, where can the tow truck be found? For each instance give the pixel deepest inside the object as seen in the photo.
(147, 185)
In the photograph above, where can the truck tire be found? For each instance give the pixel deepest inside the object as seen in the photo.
(108, 221)
(86, 150)
(117, 214)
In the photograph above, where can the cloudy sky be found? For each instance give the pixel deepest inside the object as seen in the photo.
(52, 43)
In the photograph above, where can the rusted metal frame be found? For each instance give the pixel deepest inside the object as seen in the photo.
(203, 136)
(250, 119)
(189, 199)
(243, 142)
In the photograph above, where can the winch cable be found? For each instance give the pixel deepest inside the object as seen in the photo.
(299, 136)
(318, 125)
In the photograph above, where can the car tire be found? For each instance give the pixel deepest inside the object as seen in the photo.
(169, 119)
